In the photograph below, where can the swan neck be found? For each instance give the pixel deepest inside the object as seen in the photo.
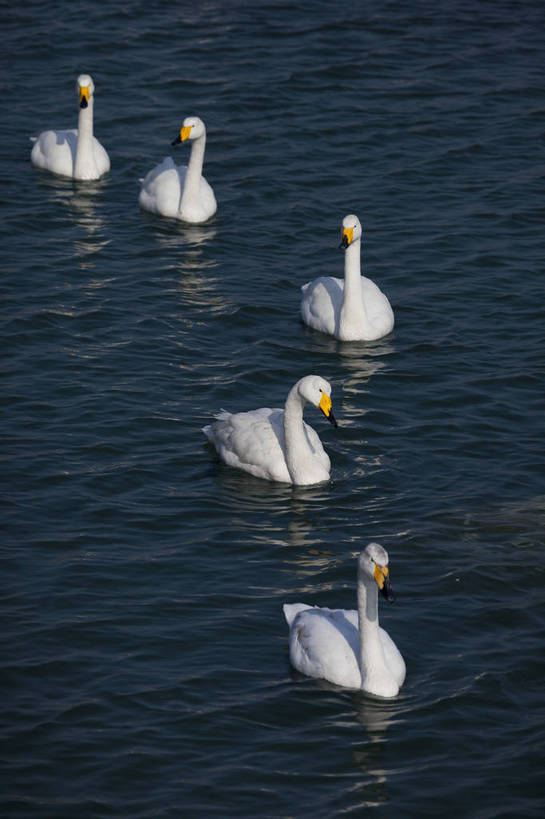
(353, 318)
(84, 150)
(297, 446)
(352, 270)
(371, 653)
(194, 167)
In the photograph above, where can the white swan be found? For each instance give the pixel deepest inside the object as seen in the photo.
(349, 648)
(277, 444)
(180, 191)
(76, 152)
(351, 310)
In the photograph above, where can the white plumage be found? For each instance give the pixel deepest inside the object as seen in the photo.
(181, 191)
(276, 444)
(75, 152)
(348, 647)
(353, 308)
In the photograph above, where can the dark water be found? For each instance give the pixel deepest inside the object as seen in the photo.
(144, 662)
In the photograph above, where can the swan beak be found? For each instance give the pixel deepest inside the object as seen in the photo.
(347, 238)
(383, 582)
(325, 406)
(183, 135)
(83, 96)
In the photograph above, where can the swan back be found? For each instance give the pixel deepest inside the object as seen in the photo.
(161, 189)
(324, 643)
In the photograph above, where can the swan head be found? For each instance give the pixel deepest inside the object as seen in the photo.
(86, 89)
(351, 231)
(192, 128)
(317, 391)
(373, 567)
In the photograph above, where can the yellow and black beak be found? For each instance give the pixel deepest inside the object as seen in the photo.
(383, 582)
(185, 130)
(347, 238)
(83, 96)
(325, 406)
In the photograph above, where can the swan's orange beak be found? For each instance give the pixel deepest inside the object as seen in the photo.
(347, 238)
(83, 96)
(183, 135)
(383, 582)
(325, 406)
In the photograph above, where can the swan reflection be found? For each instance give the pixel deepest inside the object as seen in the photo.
(376, 716)
(193, 269)
(303, 535)
(80, 202)
(177, 236)
(361, 362)
(82, 207)
(197, 285)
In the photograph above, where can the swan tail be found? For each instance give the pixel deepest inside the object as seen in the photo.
(291, 610)
(222, 415)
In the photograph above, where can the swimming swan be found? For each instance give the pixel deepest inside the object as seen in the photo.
(181, 191)
(351, 310)
(349, 648)
(76, 152)
(277, 444)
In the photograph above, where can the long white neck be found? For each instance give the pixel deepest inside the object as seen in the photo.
(353, 315)
(194, 171)
(303, 466)
(372, 662)
(85, 166)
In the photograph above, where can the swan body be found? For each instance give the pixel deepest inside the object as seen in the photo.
(276, 444)
(353, 309)
(180, 191)
(76, 152)
(348, 647)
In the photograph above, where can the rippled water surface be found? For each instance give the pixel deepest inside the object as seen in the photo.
(145, 665)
